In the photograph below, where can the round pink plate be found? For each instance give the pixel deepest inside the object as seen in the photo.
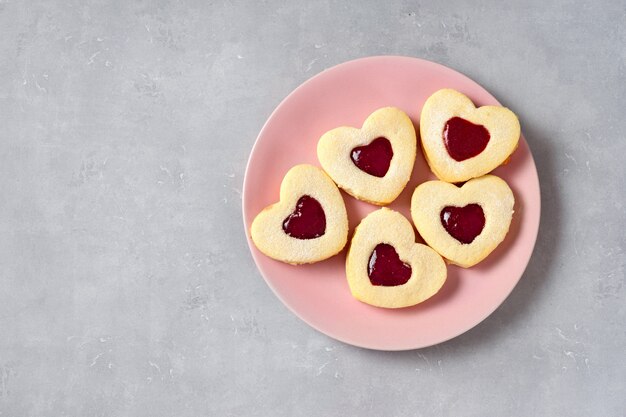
(344, 96)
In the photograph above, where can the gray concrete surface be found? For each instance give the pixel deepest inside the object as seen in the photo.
(126, 285)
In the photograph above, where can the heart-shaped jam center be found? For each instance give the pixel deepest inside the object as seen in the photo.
(463, 223)
(385, 267)
(464, 139)
(307, 221)
(374, 158)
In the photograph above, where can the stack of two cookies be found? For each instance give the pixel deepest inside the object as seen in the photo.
(384, 266)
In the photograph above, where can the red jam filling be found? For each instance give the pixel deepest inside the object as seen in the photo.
(464, 139)
(385, 267)
(307, 221)
(374, 158)
(463, 223)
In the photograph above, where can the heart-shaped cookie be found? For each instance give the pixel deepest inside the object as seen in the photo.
(373, 163)
(308, 224)
(386, 268)
(463, 224)
(461, 141)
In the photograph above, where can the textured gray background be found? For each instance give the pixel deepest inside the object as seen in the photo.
(126, 285)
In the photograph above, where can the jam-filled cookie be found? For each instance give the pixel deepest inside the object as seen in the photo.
(373, 163)
(461, 141)
(386, 268)
(308, 224)
(463, 224)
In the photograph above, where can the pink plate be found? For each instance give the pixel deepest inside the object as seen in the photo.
(319, 293)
